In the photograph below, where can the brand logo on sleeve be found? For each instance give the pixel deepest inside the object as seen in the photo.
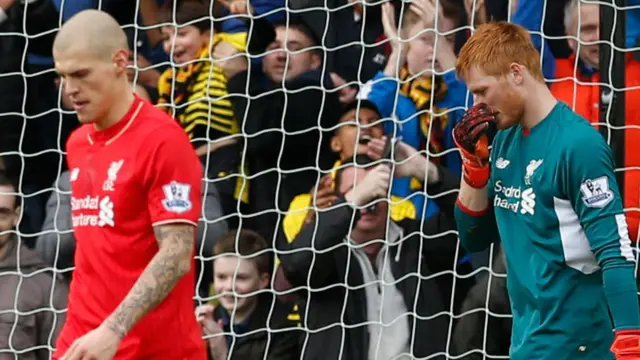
(596, 192)
(176, 197)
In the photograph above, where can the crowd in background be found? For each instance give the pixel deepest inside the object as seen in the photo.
(287, 105)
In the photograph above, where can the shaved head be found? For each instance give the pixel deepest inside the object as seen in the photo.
(92, 31)
(91, 55)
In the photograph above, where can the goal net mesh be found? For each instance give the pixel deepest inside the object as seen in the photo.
(352, 51)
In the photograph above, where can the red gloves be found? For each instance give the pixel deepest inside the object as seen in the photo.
(473, 135)
(626, 345)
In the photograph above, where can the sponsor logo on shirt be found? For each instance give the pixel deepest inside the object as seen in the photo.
(596, 192)
(105, 216)
(514, 199)
(177, 197)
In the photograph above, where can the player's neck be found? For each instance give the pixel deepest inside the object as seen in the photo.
(117, 112)
(538, 105)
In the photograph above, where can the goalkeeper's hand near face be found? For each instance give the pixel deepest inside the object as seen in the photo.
(473, 135)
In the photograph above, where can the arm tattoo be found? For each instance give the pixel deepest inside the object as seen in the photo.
(172, 261)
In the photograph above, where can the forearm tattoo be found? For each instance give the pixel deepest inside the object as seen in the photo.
(172, 261)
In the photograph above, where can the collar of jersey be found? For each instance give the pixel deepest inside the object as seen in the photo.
(111, 133)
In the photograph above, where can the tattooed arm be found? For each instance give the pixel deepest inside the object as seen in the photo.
(169, 265)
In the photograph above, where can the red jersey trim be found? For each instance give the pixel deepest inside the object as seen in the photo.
(173, 221)
(468, 211)
(124, 128)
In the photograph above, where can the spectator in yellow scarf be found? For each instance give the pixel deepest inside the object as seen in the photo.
(194, 91)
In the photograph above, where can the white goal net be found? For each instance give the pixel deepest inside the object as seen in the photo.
(284, 102)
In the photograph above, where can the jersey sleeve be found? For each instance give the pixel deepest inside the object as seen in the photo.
(593, 192)
(173, 179)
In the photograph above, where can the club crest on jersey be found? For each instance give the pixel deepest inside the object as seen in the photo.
(596, 192)
(176, 197)
(112, 175)
(531, 168)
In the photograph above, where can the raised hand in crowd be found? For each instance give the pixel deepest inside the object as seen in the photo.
(433, 18)
(229, 59)
(324, 196)
(238, 7)
(347, 93)
(213, 331)
(398, 54)
(408, 161)
(375, 185)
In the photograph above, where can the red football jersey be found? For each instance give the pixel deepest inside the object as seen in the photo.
(137, 174)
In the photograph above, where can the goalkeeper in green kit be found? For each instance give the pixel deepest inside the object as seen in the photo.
(549, 193)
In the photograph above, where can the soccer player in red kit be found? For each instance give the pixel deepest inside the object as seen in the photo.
(135, 189)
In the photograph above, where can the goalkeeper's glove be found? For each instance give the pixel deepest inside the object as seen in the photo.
(473, 135)
(626, 345)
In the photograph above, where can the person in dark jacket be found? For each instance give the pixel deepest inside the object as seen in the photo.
(26, 28)
(484, 330)
(287, 118)
(32, 299)
(355, 283)
(250, 323)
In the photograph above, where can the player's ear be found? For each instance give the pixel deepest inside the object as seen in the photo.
(121, 60)
(516, 73)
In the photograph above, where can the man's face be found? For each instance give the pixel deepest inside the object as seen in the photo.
(354, 131)
(289, 44)
(588, 32)
(186, 42)
(238, 276)
(369, 222)
(90, 82)
(9, 213)
(501, 94)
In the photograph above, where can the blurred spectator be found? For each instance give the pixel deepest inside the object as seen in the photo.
(485, 326)
(351, 37)
(193, 91)
(32, 300)
(56, 243)
(526, 13)
(385, 305)
(23, 130)
(427, 105)
(359, 123)
(577, 84)
(256, 325)
(286, 118)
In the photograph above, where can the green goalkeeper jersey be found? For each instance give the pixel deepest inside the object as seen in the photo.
(558, 212)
